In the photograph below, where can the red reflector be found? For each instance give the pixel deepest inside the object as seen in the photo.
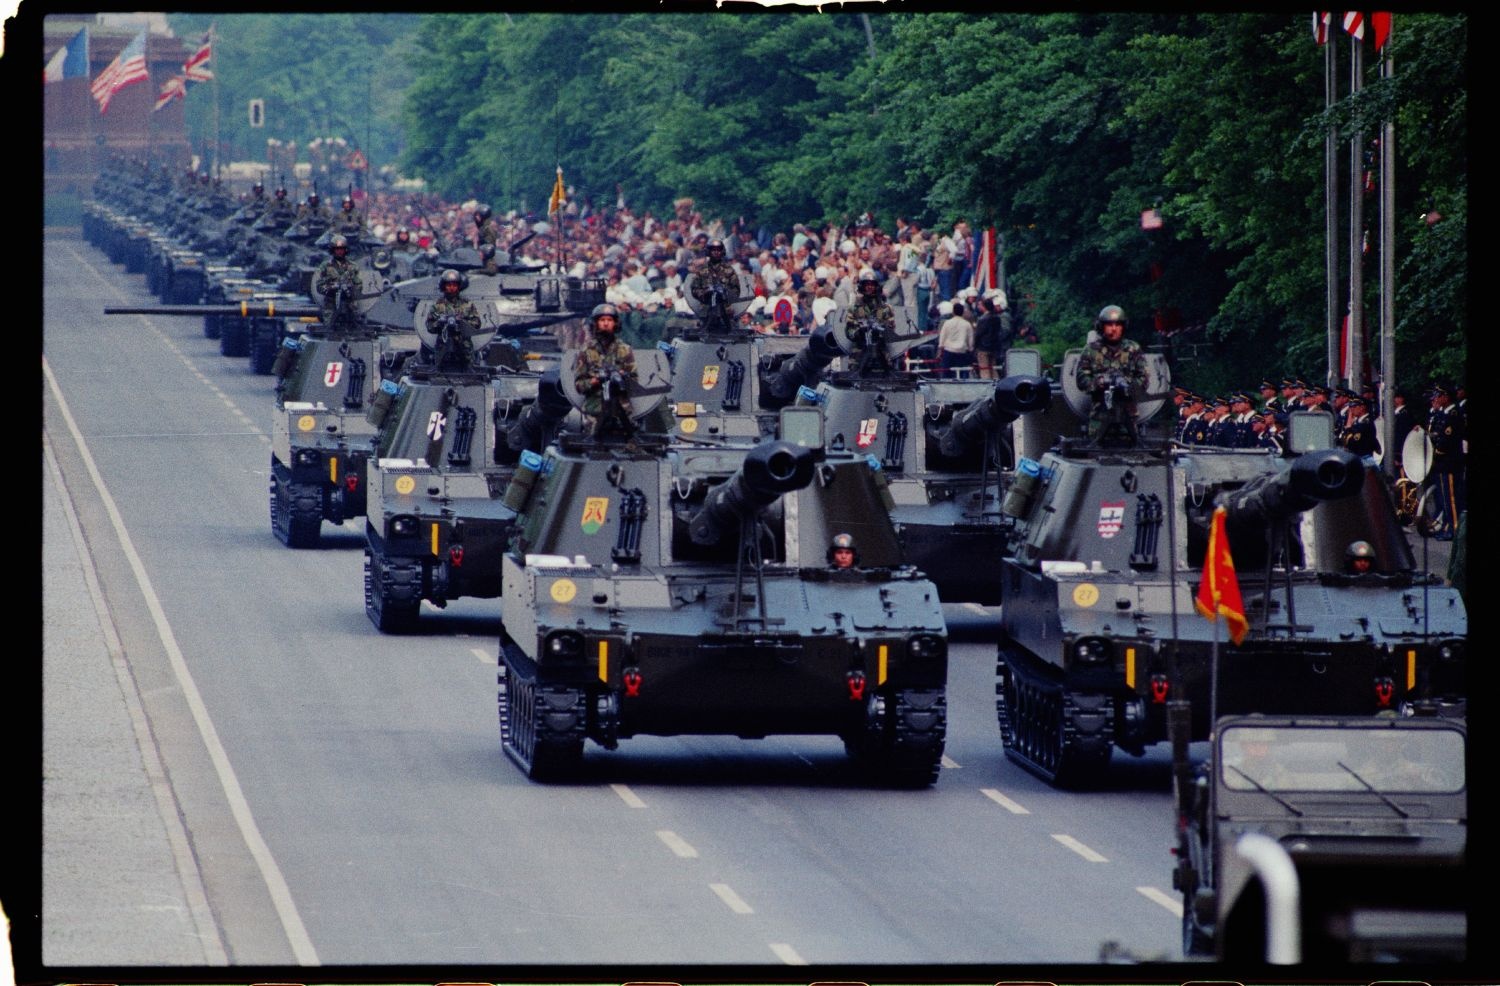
(632, 679)
(351, 481)
(1159, 688)
(456, 555)
(1384, 689)
(856, 682)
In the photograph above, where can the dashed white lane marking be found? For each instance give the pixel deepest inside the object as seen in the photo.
(1079, 848)
(172, 345)
(677, 844)
(628, 796)
(484, 657)
(1163, 898)
(1003, 801)
(950, 763)
(787, 954)
(731, 898)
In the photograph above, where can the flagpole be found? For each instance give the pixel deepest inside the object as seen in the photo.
(215, 82)
(1387, 277)
(1330, 199)
(1356, 225)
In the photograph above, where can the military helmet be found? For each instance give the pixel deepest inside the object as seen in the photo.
(348, 202)
(486, 251)
(716, 245)
(1359, 549)
(1111, 313)
(601, 310)
(842, 542)
(866, 276)
(403, 236)
(312, 198)
(258, 188)
(482, 213)
(451, 276)
(339, 242)
(281, 193)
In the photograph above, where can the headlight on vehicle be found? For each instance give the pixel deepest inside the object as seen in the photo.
(563, 645)
(927, 646)
(1093, 650)
(308, 456)
(403, 525)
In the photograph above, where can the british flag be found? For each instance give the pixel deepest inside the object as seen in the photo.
(196, 69)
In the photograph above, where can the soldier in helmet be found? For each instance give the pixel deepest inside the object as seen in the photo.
(841, 551)
(281, 211)
(717, 283)
(867, 323)
(348, 221)
(403, 242)
(337, 282)
(486, 230)
(454, 320)
(313, 212)
(1111, 372)
(603, 370)
(1359, 558)
(256, 205)
(491, 265)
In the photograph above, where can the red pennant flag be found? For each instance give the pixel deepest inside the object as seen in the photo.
(1219, 593)
(1321, 22)
(1354, 24)
(1381, 22)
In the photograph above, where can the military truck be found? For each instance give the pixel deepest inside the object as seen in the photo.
(659, 587)
(1099, 630)
(437, 521)
(1327, 840)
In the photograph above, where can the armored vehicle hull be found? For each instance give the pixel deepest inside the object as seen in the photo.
(1099, 630)
(679, 595)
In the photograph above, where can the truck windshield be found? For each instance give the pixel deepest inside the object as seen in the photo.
(1389, 759)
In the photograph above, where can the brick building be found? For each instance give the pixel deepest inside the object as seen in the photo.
(76, 137)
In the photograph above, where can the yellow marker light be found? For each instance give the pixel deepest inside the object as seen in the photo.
(434, 539)
(603, 660)
(1411, 670)
(270, 308)
(1130, 667)
(333, 469)
(885, 652)
(244, 309)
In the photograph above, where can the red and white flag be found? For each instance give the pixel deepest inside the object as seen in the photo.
(128, 68)
(1321, 23)
(1354, 24)
(985, 278)
(173, 88)
(195, 69)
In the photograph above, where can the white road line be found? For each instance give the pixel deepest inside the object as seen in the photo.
(731, 898)
(1003, 801)
(1079, 848)
(787, 954)
(484, 658)
(166, 799)
(281, 895)
(975, 608)
(677, 844)
(1170, 902)
(627, 796)
(950, 763)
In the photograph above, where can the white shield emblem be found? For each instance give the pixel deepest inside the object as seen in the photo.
(435, 425)
(1111, 519)
(333, 374)
(866, 436)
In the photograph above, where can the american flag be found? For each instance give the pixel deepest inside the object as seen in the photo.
(128, 68)
(195, 69)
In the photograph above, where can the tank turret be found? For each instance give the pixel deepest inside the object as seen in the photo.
(772, 469)
(1013, 397)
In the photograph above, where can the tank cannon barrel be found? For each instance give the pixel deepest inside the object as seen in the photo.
(531, 431)
(1313, 477)
(244, 309)
(1013, 397)
(802, 369)
(770, 470)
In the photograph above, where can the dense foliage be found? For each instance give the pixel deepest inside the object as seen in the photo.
(1057, 129)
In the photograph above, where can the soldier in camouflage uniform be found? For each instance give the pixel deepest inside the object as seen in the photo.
(1112, 359)
(870, 310)
(313, 212)
(337, 282)
(349, 222)
(713, 273)
(455, 321)
(486, 229)
(599, 367)
(281, 212)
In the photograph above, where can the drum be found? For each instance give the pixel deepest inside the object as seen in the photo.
(1416, 454)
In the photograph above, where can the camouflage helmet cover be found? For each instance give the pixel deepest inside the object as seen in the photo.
(601, 310)
(339, 242)
(1111, 313)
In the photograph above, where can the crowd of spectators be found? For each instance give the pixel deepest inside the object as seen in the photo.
(799, 275)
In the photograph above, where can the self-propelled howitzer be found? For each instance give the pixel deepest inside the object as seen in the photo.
(681, 588)
(1099, 630)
